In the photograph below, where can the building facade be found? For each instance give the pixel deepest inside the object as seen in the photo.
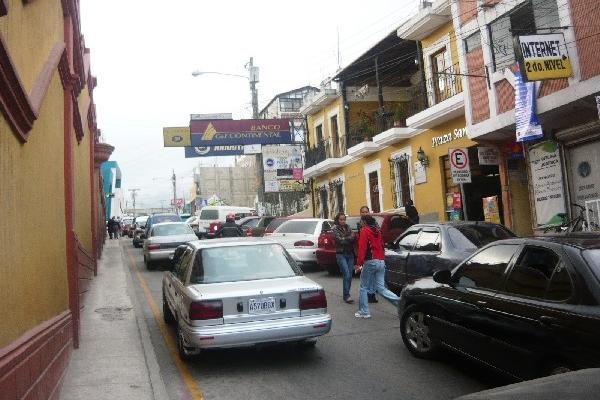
(49, 158)
(236, 185)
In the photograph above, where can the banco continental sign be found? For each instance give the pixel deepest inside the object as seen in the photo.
(239, 132)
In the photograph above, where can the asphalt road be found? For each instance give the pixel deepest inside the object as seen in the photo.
(358, 359)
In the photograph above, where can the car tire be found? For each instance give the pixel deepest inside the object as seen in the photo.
(149, 264)
(415, 333)
(333, 269)
(308, 343)
(556, 368)
(168, 316)
(184, 354)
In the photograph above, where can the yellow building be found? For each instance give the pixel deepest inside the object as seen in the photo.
(49, 154)
(380, 133)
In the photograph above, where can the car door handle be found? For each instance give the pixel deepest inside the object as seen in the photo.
(546, 320)
(481, 303)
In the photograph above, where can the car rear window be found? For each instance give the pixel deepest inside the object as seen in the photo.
(157, 219)
(252, 223)
(592, 256)
(172, 229)
(243, 263)
(141, 221)
(307, 227)
(209, 214)
(276, 223)
(354, 221)
(480, 235)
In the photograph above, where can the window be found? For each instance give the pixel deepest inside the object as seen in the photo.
(209, 214)
(324, 208)
(473, 42)
(528, 18)
(339, 198)
(354, 222)
(297, 226)
(399, 168)
(171, 230)
(408, 241)
(289, 104)
(592, 256)
(486, 268)
(428, 241)
(326, 227)
(560, 287)
(180, 270)
(319, 133)
(334, 136)
(531, 274)
(481, 235)
(253, 223)
(399, 222)
(439, 66)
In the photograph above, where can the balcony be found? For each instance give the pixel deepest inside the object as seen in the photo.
(431, 16)
(315, 102)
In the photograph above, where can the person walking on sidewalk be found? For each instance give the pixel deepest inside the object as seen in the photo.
(371, 261)
(364, 210)
(344, 252)
(229, 228)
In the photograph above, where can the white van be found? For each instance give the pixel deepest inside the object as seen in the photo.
(210, 214)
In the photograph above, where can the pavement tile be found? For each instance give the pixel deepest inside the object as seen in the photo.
(107, 392)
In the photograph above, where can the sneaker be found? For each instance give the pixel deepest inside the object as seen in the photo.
(349, 300)
(372, 298)
(360, 315)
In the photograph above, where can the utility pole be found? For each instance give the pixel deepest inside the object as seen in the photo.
(174, 179)
(133, 194)
(253, 79)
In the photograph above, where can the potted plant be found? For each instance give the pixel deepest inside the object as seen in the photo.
(366, 126)
(400, 116)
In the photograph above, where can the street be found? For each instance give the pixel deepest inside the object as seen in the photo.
(358, 359)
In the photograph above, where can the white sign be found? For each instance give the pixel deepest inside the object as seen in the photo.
(252, 149)
(459, 165)
(448, 137)
(283, 170)
(546, 177)
(487, 155)
(420, 173)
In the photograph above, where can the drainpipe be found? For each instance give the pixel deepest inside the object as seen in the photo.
(422, 71)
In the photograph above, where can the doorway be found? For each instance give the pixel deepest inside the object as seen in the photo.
(374, 191)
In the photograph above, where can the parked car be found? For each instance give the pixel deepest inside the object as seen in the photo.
(216, 214)
(216, 225)
(240, 292)
(426, 248)
(126, 225)
(139, 227)
(163, 239)
(261, 226)
(184, 216)
(526, 306)
(193, 223)
(159, 218)
(392, 225)
(300, 236)
(274, 224)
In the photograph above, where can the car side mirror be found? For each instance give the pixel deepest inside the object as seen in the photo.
(391, 246)
(442, 276)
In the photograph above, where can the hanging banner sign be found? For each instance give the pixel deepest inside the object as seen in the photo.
(487, 155)
(244, 131)
(283, 168)
(546, 178)
(459, 165)
(213, 151)
(545, 57)
(176, 136)
(526, 121)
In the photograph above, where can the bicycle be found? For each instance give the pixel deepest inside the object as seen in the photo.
(577, 224)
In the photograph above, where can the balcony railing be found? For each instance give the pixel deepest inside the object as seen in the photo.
(441, 86)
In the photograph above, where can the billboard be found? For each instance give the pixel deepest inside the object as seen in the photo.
(238, 132)
(214, 151)
(283, 168)
(176, 136)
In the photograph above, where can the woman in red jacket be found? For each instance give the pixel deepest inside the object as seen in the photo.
(370, 259)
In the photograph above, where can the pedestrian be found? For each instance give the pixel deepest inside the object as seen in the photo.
(411, 211)
(344, 253)
(364, 210)
(229, 228)
(112, 228)
(370, 260)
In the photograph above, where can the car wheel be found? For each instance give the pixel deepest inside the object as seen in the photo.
(184, 353)
(167, 314)
(333, 269)
(308, 343)
(415, 333)
(556, 368)
(149, 264)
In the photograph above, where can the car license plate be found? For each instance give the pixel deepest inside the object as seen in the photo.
(264, 305)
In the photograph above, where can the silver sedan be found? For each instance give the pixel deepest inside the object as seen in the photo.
(240, 292)
(163, 239)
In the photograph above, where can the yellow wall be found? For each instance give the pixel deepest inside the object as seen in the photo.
(429, 198)
(83, 202)
(32, 233)
(323, 114)
(437, 37)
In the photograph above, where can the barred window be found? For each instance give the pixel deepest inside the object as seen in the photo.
(400, 174)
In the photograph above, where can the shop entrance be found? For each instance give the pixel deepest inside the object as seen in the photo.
(485, 182)
(374, 191)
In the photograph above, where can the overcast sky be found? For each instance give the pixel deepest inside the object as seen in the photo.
(143, 53)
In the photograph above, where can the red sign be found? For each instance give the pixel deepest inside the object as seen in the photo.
(177, 202)
(456, 200)
(238, 132)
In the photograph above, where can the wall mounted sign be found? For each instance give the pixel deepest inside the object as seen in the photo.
(459, 165)
(546, 178)
(448, 137)
(283, 168)
(244, 131)
(420, 173)
(545, 57)
(214, 151)
(487, 155)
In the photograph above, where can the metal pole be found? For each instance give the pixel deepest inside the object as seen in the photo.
(464, 203)
(173, 178)
(253, 78)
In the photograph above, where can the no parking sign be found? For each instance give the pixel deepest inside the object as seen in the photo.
(459, 165)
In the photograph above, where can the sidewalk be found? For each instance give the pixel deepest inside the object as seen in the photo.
(115, 359)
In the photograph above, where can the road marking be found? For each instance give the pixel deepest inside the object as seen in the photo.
(188, 379)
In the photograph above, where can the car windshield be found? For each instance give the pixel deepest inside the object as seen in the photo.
(141, 220)
(307, 227)
(354, 221)
(157, 219)
(243, 263)
(171, 229)
(592, 256)
(480, 235)
(209, 214)
(251, 223)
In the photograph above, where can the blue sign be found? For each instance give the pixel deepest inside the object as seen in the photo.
(213, 151)
(270, 162)
(526, 120)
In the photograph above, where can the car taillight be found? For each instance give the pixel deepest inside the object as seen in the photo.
(249, 232)
(215, 228)
(312, 300)
(209, 309)
(153, 246)
(304, 243)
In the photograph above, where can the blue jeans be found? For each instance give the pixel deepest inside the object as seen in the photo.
(346, 264)
(373, 276)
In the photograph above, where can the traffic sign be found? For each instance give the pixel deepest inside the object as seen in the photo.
(459, 165)
(177, 202)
